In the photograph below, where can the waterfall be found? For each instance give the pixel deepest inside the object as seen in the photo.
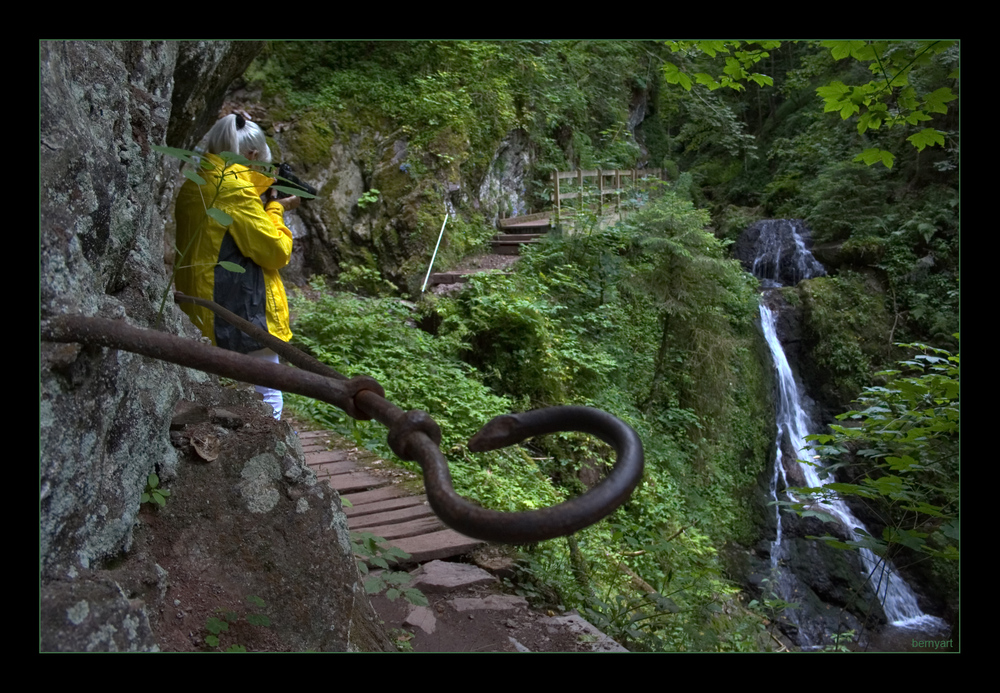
(781, 259)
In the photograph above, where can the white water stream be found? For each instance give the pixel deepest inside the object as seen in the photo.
(897, 598)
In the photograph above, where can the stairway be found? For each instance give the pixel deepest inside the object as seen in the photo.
(379, 506)
(510, 243)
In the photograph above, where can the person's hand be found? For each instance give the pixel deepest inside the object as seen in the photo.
(289, 203)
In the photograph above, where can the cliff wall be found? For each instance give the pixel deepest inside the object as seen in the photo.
(116, 574)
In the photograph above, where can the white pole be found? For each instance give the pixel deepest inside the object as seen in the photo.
(440, 236)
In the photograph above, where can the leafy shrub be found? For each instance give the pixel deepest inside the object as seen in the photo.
(377, 337)
(153, 492)
(902, 446)
(521, 342)
(369, 548)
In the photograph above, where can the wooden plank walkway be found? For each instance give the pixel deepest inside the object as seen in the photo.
(382, 508)
(510, 243)
(539, 221)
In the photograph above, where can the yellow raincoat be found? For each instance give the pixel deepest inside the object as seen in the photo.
(257, 240)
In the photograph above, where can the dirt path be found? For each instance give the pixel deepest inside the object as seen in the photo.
(475, 264)
(471, 607)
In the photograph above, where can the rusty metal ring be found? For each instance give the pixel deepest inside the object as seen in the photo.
(405, 426)
(546, 523)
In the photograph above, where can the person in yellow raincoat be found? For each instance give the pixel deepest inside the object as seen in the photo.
(257, 240)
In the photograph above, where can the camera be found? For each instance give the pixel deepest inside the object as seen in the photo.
(289, 184)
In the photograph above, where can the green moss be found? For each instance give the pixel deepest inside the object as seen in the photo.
(846, 329)
(311, 140)
(393, 184)
(791, 296)
(866, 251)
(275, 150)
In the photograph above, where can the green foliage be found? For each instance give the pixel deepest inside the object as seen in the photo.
(520, 342)
(737, 66)
(846, 345)
(902, 446)
(153, 492)
(369, 548)
(846, 199)
(897, 96)
(465, 234)
(457, 100)
(654, 588)
(700, 298)
(648, 319)
(366, 281)
(909, 238)
(840, 641)
(367, 198)
(372, 337)
(894, 97)
(219, 624)
(582, 321)
(402, 639)
(597, 296)
(712, 126)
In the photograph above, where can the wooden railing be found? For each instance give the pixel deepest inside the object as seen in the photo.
(616, 177)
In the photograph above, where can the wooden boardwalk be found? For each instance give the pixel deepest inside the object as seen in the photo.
(538, 222)
(381, 507)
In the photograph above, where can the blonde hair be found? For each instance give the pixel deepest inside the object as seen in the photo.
(234, 133)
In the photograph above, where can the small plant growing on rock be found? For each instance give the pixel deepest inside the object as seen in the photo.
(153, 492)
(369, 548)
(367, 198)
(220, 624)
(402, 639)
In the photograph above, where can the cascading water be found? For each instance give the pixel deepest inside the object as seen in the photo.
(782, 259)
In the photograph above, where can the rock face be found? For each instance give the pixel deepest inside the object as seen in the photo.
(503, 190)
(776, 251)
(395, 230)
(105, 414)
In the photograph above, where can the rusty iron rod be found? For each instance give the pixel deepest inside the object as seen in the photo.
(116, 334)
(413, 435)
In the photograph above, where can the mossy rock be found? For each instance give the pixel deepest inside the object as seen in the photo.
(311, 140)
(846, 329)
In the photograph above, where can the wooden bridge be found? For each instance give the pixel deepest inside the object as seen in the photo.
(593, 186)
(382, 507)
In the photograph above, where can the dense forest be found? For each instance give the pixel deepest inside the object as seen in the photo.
(649, 316)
